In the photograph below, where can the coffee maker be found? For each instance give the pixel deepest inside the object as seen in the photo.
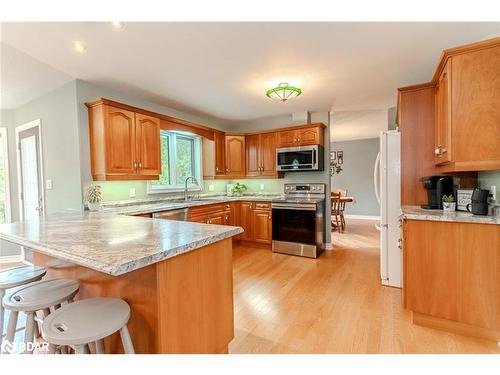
(436, 187)
(479, 205)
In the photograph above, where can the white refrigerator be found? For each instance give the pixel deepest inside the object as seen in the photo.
(387, 181)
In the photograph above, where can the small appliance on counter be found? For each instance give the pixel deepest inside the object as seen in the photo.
(437, 187)
(479, 204)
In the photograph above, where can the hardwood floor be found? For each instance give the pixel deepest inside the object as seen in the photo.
(333, 304)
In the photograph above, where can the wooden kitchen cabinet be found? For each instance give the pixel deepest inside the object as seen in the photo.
(246, 220)
(452, 279)
(147, 135)
(235, 155)
(124, 145)
(220, 153)
(262, 226)
(443, 145)
(301, 136)
(261, 155)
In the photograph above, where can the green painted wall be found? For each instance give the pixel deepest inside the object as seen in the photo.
(120, 190)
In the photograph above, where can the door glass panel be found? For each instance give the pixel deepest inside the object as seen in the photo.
(294, 226)
(295, 157)
(29, 168)
(3, 179)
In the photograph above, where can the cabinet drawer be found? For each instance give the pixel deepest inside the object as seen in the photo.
(206, 209)
(262, 206)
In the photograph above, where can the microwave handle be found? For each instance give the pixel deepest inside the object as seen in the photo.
(314, 157)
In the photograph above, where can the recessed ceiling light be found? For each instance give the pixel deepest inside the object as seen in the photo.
(79, 47)
(117, 25)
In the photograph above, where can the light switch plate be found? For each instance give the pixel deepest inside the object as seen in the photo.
(211, 187)
(132, 192)
(48, 184)
(261, 186)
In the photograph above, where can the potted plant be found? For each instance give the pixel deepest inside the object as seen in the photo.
(94, 197)
(238, 189)
(449, 204)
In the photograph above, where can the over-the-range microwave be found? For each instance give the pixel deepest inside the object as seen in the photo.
(301, 158)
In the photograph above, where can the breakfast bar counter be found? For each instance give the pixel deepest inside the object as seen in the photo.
(176, 276)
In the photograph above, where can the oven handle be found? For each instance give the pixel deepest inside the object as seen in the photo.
(295, 206)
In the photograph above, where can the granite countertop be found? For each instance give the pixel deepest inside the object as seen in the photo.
(111, 243)
(150, 206)
(417, 213)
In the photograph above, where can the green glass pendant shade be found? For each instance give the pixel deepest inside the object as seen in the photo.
(283, 92)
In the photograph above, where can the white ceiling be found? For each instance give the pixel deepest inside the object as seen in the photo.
(23, 78)
(222, 70)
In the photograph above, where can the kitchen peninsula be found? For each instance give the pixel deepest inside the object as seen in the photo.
(176, 276)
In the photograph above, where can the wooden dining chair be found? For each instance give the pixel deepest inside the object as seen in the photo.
(338, 206)
(342, 192)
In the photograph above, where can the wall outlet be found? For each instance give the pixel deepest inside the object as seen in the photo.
(261, 186)
(131, 192)
(211, 187)
(48, 184)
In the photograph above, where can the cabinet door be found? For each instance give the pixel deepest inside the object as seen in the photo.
(262, 226)
(310, 136)
(220, 154)
(235, 155)
(475, 87)
(252, 145)
(443, 117)
(147, 130)
(203, 219)
(246, 220)
(268, 154)
(287, 138)
(120, 141)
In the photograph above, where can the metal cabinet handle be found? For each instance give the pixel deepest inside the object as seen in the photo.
(270, 216)
(140, 165)
(135, 165)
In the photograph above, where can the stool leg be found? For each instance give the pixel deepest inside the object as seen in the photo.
(52, 349)
(11, 328)
(128, 347)
(2, 313)
(99, 347)
(29, 333)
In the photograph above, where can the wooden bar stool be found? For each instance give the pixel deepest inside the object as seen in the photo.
(14, 277)
(37, 296)
(86, 321)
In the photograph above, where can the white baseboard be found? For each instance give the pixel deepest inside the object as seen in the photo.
(11, 258)
(362, 217)
(328, 246)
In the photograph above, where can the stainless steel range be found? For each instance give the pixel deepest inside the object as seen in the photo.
(298, 220)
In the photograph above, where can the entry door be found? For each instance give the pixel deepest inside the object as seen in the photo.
(31, 194)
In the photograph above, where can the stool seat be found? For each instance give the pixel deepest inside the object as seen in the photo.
(12, 277)
(40, 295)
(85, 321)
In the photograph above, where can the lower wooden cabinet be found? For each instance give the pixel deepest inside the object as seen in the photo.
(452, 276)
(254, 217)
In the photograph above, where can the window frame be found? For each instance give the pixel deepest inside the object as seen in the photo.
(7, 202)
(172, 155)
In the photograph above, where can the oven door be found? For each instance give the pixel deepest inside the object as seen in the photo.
(294, 223)
(297, 158)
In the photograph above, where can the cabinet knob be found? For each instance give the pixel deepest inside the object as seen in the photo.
(140, 165)
(270, 217)
(135, 165)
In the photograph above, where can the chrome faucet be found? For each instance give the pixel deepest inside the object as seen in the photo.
(186, 186)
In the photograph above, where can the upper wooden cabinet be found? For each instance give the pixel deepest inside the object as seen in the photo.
(235, 155)
(220, 153)
(301, 136)
(443, 145)
(124, 145)
(466, 125)
(147, 137)
(261, 155)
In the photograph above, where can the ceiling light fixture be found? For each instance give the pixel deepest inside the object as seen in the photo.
(117, 25)
(79, 47)
(283, 92)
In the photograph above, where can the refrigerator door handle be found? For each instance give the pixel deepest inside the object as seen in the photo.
(376, 177)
